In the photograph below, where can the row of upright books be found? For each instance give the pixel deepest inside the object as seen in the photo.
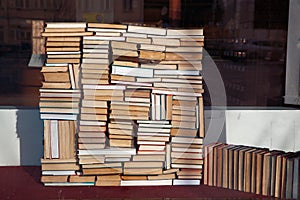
(254, 170)
(122, 105)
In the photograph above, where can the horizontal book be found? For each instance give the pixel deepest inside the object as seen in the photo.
(104, 87)
(54, 179)
(186, 166)
(152, 47)
(138, 40)
(82, 179)
(145, 158)
(105, 26)
(145, 182)
(186, 182)
(111, 151)
(64, 25)
(58, 172)
(70, 184)
(165, 41)
(143, 164)
(142, 171)
(131, 71)
(187, 32)
(58, 116)
(147, 30)
(106, 30)
(134, 35)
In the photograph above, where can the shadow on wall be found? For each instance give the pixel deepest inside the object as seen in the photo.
(30, 131)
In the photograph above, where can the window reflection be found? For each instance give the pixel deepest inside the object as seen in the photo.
(247, 40)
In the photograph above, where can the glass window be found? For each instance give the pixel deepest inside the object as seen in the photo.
(127, 5)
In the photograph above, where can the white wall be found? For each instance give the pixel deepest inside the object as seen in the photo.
(21, 131)
(21, 137)
(273, 129)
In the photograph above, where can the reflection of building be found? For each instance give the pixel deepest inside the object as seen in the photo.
(16, 79)
(16, 16)
(110, 11)
(254, 27)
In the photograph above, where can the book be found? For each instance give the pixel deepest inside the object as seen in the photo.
(186, 182)
(145, 182)
(147, 30)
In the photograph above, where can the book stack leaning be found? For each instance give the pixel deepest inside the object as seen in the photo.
(122, 105)
(250, 169)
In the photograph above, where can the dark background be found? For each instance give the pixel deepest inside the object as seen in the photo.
(246, 39)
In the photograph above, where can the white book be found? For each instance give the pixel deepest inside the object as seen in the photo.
(92, 123)
(104, 38)
(151, 130)
(148, 80)
(52, 94)
(155, 125)
(59, 111)
(168, 157)
(72, 76)
(54, 137)
(151, 148)
(116, 151)
(179, 32)
(185, 98)
(112, 159)
(197, 117)
(137, 35)
(141, 142)
(153, 122)
(132, 71)
(146, 182)
(70, 184)
(147, 30)
(157, 107)
(152, 47)
(163, 106)
(153, 109)
(105, 87)
(141, 100)
(131, 83)
(186, 166)
(157, 91)
(58, 173)
(66, 25)
(153, 134)
(59, 91)
(185, 182)
(59, 117)
(177, 72)
(130, 104)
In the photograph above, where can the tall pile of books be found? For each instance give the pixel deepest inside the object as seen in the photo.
(136, 110)
(60, 98)
(255, 170)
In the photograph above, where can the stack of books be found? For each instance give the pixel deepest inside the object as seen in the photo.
(249, 169)
(136, 108)
(60, 97)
